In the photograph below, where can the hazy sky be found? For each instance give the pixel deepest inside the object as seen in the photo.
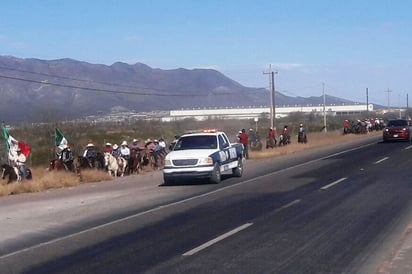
(349, 45)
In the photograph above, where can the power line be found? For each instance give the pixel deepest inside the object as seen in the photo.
(137, 88)
(79, 80)
(101, 90)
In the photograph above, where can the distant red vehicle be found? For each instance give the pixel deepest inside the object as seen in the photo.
(397, 129)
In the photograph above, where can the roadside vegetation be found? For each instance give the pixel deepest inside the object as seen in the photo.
(42, 141)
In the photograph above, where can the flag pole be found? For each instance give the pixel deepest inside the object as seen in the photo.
(7, 150)
(3, 124)
(54, 142)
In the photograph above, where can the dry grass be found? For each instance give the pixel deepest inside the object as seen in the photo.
(43, 179)
(316, 139)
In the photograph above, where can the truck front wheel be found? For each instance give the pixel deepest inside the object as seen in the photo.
(215, 178)
(168, 181)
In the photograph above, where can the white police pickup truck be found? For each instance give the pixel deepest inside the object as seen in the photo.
(203, 155)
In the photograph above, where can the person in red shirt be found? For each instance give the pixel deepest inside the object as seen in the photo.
(286, 136)
(346, 127)
(108, 148)
(244, 139)
(271, 138)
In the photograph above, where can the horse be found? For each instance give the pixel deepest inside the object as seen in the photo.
(84, 162)
(136, 160)
(256, 145)
(56, 164)
(284, 139)
(115, 165)
(59, 165)
(148, 159)
(13, 173)
(270, 142)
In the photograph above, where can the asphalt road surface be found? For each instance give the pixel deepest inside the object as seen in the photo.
(329, 210)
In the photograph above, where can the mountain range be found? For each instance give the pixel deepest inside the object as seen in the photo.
(50, 90)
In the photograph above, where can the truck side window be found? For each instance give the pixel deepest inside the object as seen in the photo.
(225, 138)
(222, 142)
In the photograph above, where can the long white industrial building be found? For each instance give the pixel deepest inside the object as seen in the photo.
(257, 112)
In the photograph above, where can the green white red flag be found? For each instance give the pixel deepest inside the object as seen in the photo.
(12, 144)
(61, 141)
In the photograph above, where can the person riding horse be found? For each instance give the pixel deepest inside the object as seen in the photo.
(285, 136)
(302, 137)
(125, 152)
(91, 155)
(135, 157)
(19, 160)
(67, 158)
(271, 138)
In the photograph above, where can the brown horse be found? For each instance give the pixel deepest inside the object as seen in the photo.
(59, 165)
(90, 163)
(136, 160)
(56, 164)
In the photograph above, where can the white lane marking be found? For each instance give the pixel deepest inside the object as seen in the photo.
(178, 202)
(205, 245)
(217, 239)
(381, 160)
(288, 205)
(408, 147)
(334, 183)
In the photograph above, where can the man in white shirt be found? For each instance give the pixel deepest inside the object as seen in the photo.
(125, 151)
(20, 162)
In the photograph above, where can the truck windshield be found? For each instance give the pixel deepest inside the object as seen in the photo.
(196, 142)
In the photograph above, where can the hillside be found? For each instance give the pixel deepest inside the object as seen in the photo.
(44, 90)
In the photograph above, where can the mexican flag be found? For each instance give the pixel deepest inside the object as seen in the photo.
(12, 144)
(61, 141)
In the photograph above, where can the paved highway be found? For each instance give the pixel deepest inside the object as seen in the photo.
(330, 210)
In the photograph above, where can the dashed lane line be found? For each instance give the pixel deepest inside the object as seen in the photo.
(217, 239)
(334, 183)
(95, 228)
(232, 232)
(288, 205)
(381, 160)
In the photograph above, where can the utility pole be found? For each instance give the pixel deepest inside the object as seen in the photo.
(272, 95)
(367, 101)
(388, 91)
(324, 107)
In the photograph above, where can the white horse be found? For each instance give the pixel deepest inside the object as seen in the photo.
(115, 165)
(17, 171)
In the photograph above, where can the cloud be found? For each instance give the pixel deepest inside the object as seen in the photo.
(214, 67)
(287, 66)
